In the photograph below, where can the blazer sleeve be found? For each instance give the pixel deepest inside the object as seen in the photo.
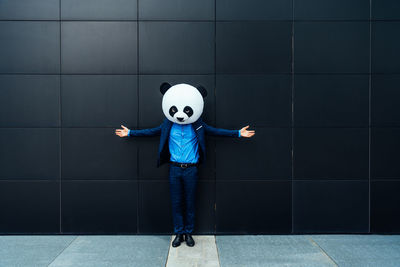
(146, 132)
(220, 132)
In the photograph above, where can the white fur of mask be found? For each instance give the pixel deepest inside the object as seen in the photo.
(184, 102)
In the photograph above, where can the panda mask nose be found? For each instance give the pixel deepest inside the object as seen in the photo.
(179, 118)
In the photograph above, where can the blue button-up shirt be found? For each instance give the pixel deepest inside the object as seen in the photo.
(183, 144)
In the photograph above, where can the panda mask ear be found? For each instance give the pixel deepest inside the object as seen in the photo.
(202, 90)
(164, 87)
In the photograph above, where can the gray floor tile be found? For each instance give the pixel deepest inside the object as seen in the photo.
(203, 254)
(361, 250)
(99, 251)
(270, 250)
(35, 250)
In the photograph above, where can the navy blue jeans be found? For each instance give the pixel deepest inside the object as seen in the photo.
(183, 183)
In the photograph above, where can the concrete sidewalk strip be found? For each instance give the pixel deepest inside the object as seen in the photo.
(31, 250)
(116, 250)
(209, 250)
(270, 250)
(202, 254)
(361, 250)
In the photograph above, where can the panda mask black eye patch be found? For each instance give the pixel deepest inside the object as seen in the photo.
(172, 111)
(188, 111)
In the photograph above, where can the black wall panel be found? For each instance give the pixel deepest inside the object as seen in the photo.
(385, 208)
(238, 98)
(99, 9)
(317, 79)
(385, 9)
(331, 9)
(385, 96)
(331, 47)
(241, 48)
(29, 10)
(385, 157)
(99, 100)
(331, 100)
(385, 43)
(268, 153)
(253, 207)
(331, 153)
(99, 47)
(29, 100)
(155, 212)
(30, 207)
(330, 206)
(29, 153)
(99, 207)
(29, 47)
(95, 153)
(176, 10)
(254, 10)
(176, 47)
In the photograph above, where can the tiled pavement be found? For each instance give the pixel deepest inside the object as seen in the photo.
(209, 251)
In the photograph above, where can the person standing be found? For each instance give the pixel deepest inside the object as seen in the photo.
(182, 145)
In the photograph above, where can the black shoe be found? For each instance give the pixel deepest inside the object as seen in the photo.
(189, 240)
(177, 241)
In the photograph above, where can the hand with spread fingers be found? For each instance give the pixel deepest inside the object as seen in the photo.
(245, 133)
(122, 132)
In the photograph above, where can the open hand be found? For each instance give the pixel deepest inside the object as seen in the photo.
(122, 132)
(245, 133)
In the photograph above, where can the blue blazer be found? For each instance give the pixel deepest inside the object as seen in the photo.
(200, 128)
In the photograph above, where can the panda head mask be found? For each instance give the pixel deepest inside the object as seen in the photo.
(182, 103)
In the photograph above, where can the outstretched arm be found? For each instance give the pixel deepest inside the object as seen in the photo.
(224, 132)
(144, 132)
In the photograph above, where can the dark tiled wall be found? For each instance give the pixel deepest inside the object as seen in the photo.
(318, 80)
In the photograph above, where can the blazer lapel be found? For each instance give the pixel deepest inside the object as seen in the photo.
(166, 127)
(198, 128)
(197, 125)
